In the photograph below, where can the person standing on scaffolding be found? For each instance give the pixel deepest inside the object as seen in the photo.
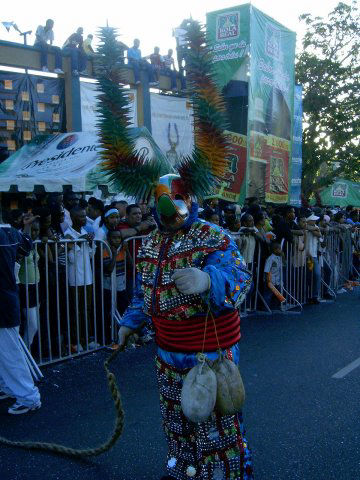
(15, 377)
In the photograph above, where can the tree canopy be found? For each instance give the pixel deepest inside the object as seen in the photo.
(328, 67)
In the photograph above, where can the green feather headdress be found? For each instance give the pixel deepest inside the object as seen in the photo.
(131, 173)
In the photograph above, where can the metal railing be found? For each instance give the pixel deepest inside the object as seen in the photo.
(69, 305)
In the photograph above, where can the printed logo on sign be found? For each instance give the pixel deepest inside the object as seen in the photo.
(340, 190)
(67, 142)
(272, 41)
(227, 26)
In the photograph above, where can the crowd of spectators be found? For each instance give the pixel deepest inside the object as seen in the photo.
(81, 50)
(289, 248)
(81, 245)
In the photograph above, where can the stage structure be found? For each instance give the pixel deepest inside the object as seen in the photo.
(254, 59)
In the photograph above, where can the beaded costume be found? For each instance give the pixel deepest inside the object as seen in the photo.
(182, 247)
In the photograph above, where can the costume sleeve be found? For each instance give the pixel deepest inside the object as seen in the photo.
(230, 281)
(134, 315)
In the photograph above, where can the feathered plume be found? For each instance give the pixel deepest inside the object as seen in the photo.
(130, 173)
(208, 164)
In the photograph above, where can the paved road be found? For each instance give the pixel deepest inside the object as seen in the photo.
(301, 422)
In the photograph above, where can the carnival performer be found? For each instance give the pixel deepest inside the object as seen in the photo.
(191, 277)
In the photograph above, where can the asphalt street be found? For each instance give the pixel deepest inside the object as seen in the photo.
(301, 422)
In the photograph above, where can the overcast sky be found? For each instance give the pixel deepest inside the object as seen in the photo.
(151, 21)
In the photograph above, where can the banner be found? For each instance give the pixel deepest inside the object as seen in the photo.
(30, 105)
(233, 181)
(172, 126)
(229, 34)
(89, 116)
(271, 104)
(72, 159)
(296, 158)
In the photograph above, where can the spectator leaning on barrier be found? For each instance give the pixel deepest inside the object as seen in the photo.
(80, 281)
(313, 238)
(114, 270)
(109, 221)
(94, 211)
(44, 38)
(15, 377)
(324, 259)
(71, 200)
(29, 276)
(287, 228)
(247, 240)
(273, 276)
(121, 207)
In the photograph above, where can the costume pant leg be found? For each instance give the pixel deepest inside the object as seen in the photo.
(222, 449)
(179, 432)
(15, 376)
(215, 450)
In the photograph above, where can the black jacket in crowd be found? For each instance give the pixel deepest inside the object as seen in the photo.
(11, 242)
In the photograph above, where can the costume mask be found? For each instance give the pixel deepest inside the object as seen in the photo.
(173, 204)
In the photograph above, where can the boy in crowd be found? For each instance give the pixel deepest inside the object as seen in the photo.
(114, 271)
(273, 276)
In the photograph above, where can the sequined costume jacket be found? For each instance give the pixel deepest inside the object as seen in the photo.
(203, 246)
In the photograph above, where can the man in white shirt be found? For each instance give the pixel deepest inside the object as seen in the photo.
(94, 210)
(71, 200)
(80, 278)
(313, 238)
(44, 40)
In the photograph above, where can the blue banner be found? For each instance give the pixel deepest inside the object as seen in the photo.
(296, 160)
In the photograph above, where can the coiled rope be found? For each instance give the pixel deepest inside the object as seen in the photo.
(89, 452)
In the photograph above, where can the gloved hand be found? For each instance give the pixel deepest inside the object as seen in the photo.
(192, 281)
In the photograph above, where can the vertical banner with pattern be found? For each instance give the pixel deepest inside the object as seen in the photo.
(228, 34)
(230, 187)
(296, 157)
(271, 103)
(30, 105)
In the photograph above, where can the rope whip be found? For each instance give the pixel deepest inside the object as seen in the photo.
(90, 452)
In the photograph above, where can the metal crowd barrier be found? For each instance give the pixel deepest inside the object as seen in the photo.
(62, 321)
(298, 278)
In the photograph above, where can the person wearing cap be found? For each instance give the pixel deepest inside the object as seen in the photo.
(313, 238)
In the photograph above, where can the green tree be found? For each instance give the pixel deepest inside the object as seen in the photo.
(328, 67)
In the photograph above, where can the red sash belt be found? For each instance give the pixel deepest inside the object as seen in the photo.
(188, 335)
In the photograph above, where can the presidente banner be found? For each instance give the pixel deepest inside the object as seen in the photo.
(296, 157)
(232, 184)
(172, 126)
(89, 115)
(71, 159)
(271, 104)
(229, 36)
